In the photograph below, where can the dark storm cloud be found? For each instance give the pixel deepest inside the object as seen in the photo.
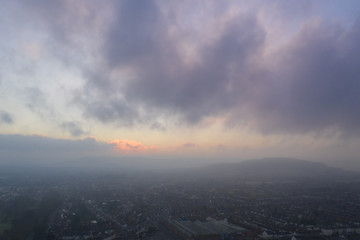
(313, 87)
(6, 118)
(135, 33)
(163, 82)
(309, 85)
(210, 87)
(317, 84)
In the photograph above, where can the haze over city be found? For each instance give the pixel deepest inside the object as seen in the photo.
(179, 120)
(179, 83)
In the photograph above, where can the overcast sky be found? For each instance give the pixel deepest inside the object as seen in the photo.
(234, 79)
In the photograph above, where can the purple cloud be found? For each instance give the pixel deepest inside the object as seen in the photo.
(310, 84)
(315, 85)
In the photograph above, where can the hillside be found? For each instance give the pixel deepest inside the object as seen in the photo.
(274, 168)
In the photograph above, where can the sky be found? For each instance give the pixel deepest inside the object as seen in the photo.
(180, 79)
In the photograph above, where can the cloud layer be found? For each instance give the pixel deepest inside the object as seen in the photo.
(35, 149)
(158, 63)
(128, 146)
(6, 118)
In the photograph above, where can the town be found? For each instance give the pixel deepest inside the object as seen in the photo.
(169, 206)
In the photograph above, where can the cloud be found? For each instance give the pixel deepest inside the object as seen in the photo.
(134, 38)
(62, 20)
(73, 128)
(36, 100)
(158, 126)
(25, 150)
(42, 144)
(189, 145)
(308, 85)
(152, 63)
(315, 83)
(6, 118)
(127, 146)
(161, 82)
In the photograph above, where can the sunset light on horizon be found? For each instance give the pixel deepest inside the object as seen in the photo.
(209, 80)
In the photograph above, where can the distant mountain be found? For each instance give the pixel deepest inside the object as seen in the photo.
(274, 168)
(256, 169)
